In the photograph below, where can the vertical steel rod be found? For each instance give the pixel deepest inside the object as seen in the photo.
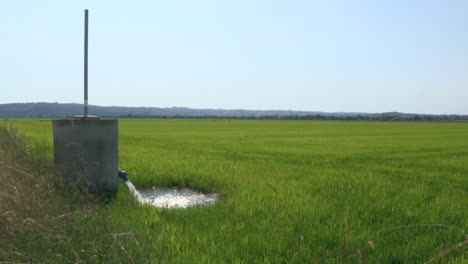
(86, 65)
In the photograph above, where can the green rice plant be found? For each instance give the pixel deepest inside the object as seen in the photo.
(292, 191)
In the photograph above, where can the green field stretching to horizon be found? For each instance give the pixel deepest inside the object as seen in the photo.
(291, 191)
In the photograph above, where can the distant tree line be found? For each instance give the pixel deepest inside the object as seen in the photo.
(314, 117)
(56, 110)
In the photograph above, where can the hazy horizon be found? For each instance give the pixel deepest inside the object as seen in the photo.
(233, 109)
(332, 56)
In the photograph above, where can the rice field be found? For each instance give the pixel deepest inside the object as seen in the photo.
(291, 191)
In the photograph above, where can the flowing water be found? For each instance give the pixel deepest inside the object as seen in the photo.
(172, 197)
(134, 192)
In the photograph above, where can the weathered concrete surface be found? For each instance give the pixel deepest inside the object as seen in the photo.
(86, 153)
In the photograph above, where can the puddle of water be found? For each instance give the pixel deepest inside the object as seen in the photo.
(172, 198)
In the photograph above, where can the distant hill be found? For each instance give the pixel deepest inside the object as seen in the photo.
(68, 110)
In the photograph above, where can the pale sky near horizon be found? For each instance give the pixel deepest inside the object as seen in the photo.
(335, 56)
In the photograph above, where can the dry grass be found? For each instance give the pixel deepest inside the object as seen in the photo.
(29, 203)
(23, 194)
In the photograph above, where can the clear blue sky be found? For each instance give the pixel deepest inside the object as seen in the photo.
(354, 56)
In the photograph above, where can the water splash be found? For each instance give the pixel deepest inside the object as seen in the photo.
(172, 198)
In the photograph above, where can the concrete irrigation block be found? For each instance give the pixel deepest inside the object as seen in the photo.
(86, 153)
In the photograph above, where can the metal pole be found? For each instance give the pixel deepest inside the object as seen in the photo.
(86, 65)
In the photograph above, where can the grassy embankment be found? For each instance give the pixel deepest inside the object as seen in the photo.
(41, 221)
(294, 191)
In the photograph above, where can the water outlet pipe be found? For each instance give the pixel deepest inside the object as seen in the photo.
(123, 175)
